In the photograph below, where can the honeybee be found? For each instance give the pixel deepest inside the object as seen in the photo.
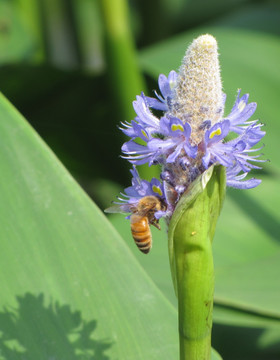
(143, 215)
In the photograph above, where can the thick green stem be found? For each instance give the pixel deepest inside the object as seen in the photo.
(124, 71)
(29, 11)
(195, 278)
(192, 262)
(88, 34)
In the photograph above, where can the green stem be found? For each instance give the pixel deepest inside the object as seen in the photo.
(124, 71)
(29, 11)
(192, 260)
(61, 49)
(88, 33)
(195, 277)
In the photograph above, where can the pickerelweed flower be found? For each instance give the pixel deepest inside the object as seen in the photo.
(139, 189)
(200, 150)
(190, 136)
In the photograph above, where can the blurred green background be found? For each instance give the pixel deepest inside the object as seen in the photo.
(73, 68)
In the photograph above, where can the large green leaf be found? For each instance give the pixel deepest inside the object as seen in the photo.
(246, 245)
(70, 287)
(55, 242)
(247, 258)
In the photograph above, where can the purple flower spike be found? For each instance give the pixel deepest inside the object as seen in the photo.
(190, 135)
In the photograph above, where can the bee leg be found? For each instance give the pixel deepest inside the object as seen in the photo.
(156, 224)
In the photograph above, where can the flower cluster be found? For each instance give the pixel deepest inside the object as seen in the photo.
(191, 134)
(140, 188)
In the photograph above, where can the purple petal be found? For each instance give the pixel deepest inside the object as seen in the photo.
(247, 184)
(217, 132)
(190, 150)
(163, 85)
(156, 104)
(173, 156)
(145, 116)
(241, 112)
(206, 159)
(172, 78)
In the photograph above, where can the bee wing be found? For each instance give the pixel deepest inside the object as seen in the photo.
(170, 193)
(114, 209)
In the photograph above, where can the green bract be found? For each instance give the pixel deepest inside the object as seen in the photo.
(190, 234)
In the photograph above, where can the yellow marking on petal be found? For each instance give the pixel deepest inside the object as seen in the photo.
(241, 106)
(157, 190)
(216, 132)
(175, 127)
(144, 133)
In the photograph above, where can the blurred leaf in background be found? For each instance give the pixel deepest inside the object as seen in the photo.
(21, 37)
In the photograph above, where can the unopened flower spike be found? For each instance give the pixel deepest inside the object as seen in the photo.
(189, 141)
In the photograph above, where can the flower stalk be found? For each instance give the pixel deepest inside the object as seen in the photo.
(191, 232)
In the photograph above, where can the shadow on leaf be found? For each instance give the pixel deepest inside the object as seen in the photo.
(34, 331)
(257, 213)
(249, 343)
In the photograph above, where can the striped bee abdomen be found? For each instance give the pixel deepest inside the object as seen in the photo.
(140, 230)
